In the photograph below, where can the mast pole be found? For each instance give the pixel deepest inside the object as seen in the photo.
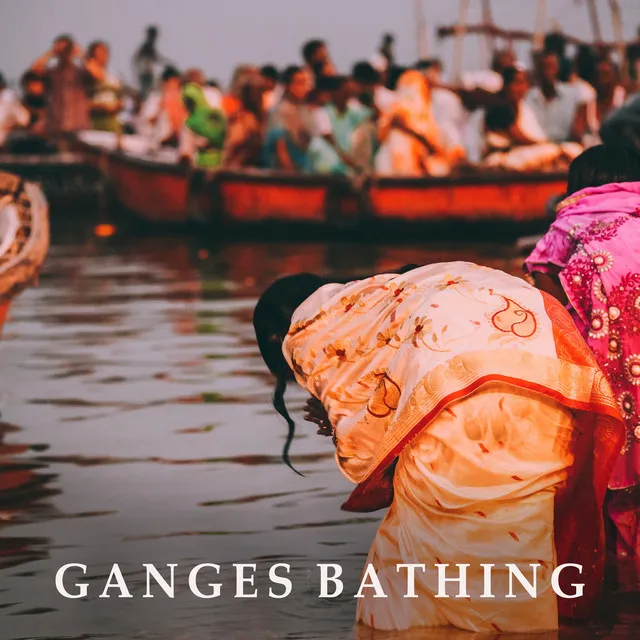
(595, 22)
(618, 32)
(490, 40)
(422, 41)
(460, 31)
(541, 21)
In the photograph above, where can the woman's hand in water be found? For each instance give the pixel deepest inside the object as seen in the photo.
(316, 413)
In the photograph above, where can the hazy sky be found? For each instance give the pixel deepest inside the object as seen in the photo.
(219, 34)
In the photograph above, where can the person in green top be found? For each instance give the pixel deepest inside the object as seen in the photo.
(206, 129)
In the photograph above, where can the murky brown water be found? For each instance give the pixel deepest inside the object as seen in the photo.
(136, 427)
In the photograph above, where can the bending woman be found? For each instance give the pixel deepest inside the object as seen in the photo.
(589, 260)
(466, 401)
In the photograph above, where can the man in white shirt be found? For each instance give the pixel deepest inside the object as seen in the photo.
(12, 112)
(554, 103)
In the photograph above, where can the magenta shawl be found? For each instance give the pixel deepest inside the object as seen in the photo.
(594, 248)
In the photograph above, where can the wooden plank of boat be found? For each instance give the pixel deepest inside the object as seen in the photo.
(153, 186)
(24, 240)
(258, 196)
(515, 197)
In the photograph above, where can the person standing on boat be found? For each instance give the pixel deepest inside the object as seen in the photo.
(465, 402)
(68, 82)
(589, 260)
(411, 144)
(106, 93)
(554, 103)
(290, 126)
(146, 62)
(610, 95)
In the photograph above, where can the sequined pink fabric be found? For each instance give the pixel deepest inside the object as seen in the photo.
(594, 247)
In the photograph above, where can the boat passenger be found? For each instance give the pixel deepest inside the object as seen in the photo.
(448, 109)
(411, 143)
(67, 84)
(554, 103)
(245, 133)
(610, 95)
(272, 89)
(514, 139)
(368, 80)
(384, 60)
(163, 114)
(34, 100)
(106, 92)
(335, 125)
(146, 62)
(589, 260)
(290, 125)
(556, 42)
(208, 127)
(584, 71)
(12, 112)
(242, 74)
(463, 399)
(317, 61)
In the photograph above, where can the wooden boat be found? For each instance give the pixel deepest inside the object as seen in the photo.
(62, 174)
(151, 184)
(24, 237)
(157, 188)
(509, 197)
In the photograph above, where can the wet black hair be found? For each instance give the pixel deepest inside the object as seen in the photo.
(365, 72)
(604, 164)
(170, 72)
(271, 323)
(309, 49)
(270, 72)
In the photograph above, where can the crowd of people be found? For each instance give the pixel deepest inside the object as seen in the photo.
(380, 118)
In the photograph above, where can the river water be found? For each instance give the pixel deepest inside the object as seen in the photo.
(136, 428)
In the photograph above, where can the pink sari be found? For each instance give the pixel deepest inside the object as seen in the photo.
(593, 246)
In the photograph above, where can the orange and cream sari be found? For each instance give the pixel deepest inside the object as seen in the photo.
(467, 402)
(401, 154)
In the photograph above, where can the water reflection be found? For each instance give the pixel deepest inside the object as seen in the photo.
(134, 361)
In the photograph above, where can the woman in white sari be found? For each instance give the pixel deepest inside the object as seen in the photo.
(466, 401)
(514, 138)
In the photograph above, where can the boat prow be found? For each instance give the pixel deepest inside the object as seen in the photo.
(24, 237)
